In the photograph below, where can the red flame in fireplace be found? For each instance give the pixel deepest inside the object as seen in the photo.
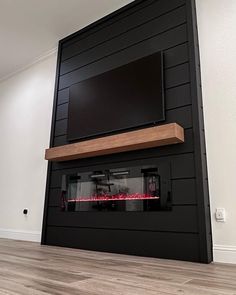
(118, 197)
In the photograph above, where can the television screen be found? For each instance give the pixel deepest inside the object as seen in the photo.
(124, 98)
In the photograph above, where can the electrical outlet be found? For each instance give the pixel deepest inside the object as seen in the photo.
(25, 211)
(220, 214)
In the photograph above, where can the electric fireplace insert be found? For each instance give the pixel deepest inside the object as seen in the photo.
(144, 188)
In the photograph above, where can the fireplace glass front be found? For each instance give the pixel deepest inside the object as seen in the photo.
(124, 189)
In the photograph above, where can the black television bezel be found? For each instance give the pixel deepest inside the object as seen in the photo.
(130, 128)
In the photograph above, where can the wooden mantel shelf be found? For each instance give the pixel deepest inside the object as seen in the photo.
(129, 141)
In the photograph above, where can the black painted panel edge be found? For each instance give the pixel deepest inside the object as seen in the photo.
(182, 246)
(49, 168)
(205, 242)
(178, 219)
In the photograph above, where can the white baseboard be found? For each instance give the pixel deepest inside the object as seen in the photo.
(224, 253)
(33, 236)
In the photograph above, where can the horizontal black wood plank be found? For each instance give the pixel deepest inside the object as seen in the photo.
(182, 166)
(177, 75)
(176, 55)
(54, 197)
(172, 99)
(184, 191)
(121, 42)
(163, 41)
(154, 244)
(181, 116)
(175, 97)
(62, 111)
(135, 19)
(60, 127)
(106, 21)
(60, 140)
(179, 219)
(63, 96)
(178, 96)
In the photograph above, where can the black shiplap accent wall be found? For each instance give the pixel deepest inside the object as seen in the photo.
(137, 30)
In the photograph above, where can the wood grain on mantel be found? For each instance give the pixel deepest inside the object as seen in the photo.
(129, 141)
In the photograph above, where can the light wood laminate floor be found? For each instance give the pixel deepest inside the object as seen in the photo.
(29, 268)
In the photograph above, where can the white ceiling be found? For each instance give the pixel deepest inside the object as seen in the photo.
(30, 29)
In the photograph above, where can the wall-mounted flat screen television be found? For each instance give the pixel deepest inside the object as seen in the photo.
(121, 99)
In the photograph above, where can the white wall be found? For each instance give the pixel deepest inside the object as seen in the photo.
(217, 38)
(25, 118)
